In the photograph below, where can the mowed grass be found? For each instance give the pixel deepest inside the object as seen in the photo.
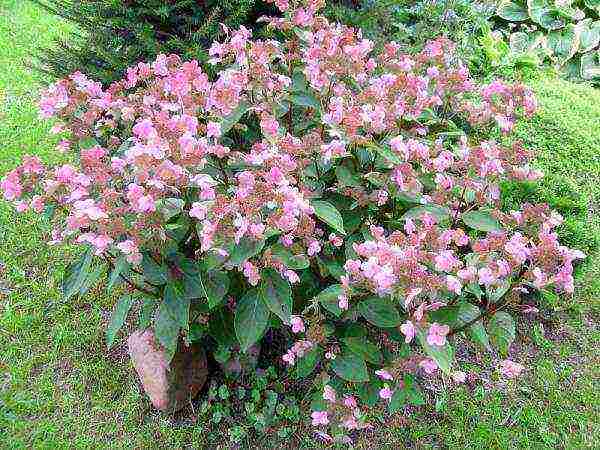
(60, 388)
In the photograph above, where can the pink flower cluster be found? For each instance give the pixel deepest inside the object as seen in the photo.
(224, 159)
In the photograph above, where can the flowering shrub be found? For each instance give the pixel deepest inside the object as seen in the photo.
(312, 186)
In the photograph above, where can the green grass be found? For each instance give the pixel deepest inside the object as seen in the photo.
(60, 388)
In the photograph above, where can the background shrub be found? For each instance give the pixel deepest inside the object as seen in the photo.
(114, 34)
(565, 33)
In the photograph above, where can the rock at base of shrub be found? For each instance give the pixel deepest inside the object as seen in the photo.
(170, 386)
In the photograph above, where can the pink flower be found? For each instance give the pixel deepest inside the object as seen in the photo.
(213, 129)
(145, 204)
(198, 210)
(453, 284)
(428, 365)
(384, 375)
(319, 418)
(437, 334)
(292, 276)
(335, 240)
(510, 369)
(408, 330)
(145, 129)
(251, 273)
(297, 325)
(313, 248)
(329, 393)
(459, 377)
(350, 401)
(386, 393)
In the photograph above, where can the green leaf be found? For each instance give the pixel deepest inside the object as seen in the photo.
(481, 220)
(398, 400)
(443, 356)
(345, 177)
(365, 349)
(502, 330)
(589, 36)
(415, 396)
(590, 65)
(277, 294)
(247, 248)
(228, 122)
(216, 285)
(221, 327)
(564, 43)
(369, 393)
(543, 14)
(350, 367)
(308, 362)
(439, 212)
(173, 315)
(154, 273)
(511, 11)
(118, 319)
(251, 319)
(329, 214)
(91, 280)
(467, 312)
(386, 153)
(305, 99)
(328, 298)
(147, 307)
(121, 267)
(76, 274)
(380, 312)
(294, 262)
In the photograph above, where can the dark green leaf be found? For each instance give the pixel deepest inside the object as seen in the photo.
(118, 318)
(350, 367)
(247, 248)
(380, 312)
(215, 284)
(398, 400)
(228, 122)
(121, 267)
(221, 328)
(481, 220)
(154, 273)
(305, 99)
(76, 274)
(502, 331)
(328, 298)
(328, 214)
(511, 11)
(173, 315)
(345, 177)
(251, 319)
(308, 362)
(147, 307)
(369, 393)
(439, 212)
(386, 152)
(91, 280)
(467, 312)
(365, 349)
(277, 294)
(294, 262)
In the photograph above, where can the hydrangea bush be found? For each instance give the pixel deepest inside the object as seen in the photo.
(313, 187)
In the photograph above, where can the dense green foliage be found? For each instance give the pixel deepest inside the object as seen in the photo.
(566, 33)
(114, 34)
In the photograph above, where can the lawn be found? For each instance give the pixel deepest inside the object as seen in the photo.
(60, 388)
